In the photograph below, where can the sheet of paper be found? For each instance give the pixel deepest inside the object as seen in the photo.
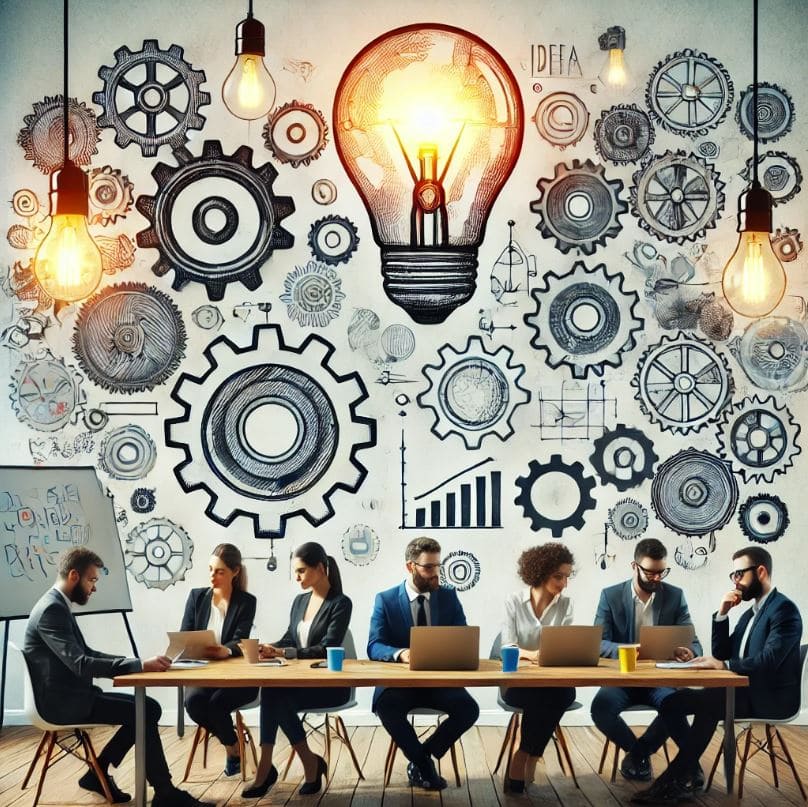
(189, 644)
(674, 665)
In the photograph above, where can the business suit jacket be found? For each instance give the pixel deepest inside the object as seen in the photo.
(61, 664)
(772, 657)
(328, 628)
(237, 621)
(616, 614)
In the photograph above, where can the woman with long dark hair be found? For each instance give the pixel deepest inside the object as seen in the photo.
(319, 618)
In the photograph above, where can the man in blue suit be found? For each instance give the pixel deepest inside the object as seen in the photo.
(419, 600)
(765, 645)
(622, 610)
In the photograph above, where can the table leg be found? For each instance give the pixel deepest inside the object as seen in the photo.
(180, 711)
(140, 746)
(729, 740)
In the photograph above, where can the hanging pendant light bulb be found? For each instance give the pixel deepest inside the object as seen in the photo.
(67, 263)
(615, 73)
(754, 280)
(249, 90)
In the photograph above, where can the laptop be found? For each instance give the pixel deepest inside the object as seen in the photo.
(570, 645)
(455, 647)
(658, 642)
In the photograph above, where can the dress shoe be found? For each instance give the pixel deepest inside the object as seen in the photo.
(425, 776)
(90, 781)
(697, 780)
(664, 791)
(174, 797)
(636, 767)
(232, 766)
(513, 785)
(307, 788)
(256, 791)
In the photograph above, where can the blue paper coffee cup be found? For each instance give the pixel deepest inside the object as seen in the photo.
(510, 658)
(335, 656)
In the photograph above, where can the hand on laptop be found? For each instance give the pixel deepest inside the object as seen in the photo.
(404, 658)
(156, 664)
(683, 654)
(530, 655)
(269, 651)
(707, 663)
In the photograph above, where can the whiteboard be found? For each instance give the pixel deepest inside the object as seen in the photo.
(43, 512)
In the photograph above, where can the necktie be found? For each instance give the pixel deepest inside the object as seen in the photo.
(421, 615)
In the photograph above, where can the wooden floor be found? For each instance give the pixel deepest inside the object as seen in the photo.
(476, 760)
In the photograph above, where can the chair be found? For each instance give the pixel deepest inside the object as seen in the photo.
(607, 742)
(767, 745)
(80, 739)
(512, 731)
(338, 731)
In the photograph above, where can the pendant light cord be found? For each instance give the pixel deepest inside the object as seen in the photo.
(66, 134)
(756, 182)
(250, 12)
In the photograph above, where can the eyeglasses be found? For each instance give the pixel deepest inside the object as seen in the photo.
(660, 573)
(739, 573)
(429, 567)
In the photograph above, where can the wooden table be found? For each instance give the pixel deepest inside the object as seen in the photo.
(237, 672)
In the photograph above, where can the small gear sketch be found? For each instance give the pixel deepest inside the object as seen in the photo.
(561, 119)
(775, 112)
(579, 207)
(208, 317)
(360, 545)
(459, 570)
(473, 392)
(324, 192)
(709, 149)
(691, 554)
(296, 133)
(333, 240)
(127, 453)
(623, 134)
(46, 393)
(623, 457)
(780, 174)
(158, 553)
(545, 495)
(787, 244)
(677, 197)
(110, 195)
(313, 295)
(759, 438)
(584, 319)
(689, 93)
(42, 137)
(763, 518)
(156, 91)
(694, 492)
(682, 383)
(143, 500)
(628, 519)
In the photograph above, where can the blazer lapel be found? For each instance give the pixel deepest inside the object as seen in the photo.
(758, 618)
(739, 631)
(203, 616)
(404, 607)
(434, 607)
(230, 617)
(628, 610)
(656, 609)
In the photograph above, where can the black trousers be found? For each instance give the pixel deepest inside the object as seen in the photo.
(280, 707)
(394, 703)
(118, 709)
(212, 707)
(542, 709)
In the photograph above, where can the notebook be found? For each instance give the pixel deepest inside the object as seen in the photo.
(658, 642)
(453, 647)
(570, 645)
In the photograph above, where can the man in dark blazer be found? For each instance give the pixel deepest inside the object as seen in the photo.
(765, 645)
(622, 610)
(62, 669)
(419, 600)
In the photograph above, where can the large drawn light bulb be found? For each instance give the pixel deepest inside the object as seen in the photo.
(428, 123)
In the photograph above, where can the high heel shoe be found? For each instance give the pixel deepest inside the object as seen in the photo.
(307, 788)
(513, 785)
(256, 791)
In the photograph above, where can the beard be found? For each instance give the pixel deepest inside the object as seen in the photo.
(79, 596)
(752, 591)
(649, 586)
(425, 584)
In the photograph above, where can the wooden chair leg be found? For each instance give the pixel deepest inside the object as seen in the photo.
(205, 738)
(48, 752)
(772, 752)
(667, 755)
(744, 759)
(342, 732)
(453, 753)
(197, 737)
(288, 764)
(715, 767)
(392, 750)
(327, 740)
(604, 754)
(39, 750)
(791, 764)
(614, 761)
(92, 759)
(505, 740)
(558, 753)
(517, 723)
(242, 750)
(562, 741)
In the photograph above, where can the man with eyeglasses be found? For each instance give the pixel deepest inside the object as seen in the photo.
(419, 600)
(765, 645)
(623, 609)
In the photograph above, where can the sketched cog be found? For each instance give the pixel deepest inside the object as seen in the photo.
(333, 239)
(628, 518)
(526, 500)
(46, 393)
(780, 174)
(169, 94)
(623, 134)
(215, 197)
(775, 112)
(579, 207)
(270, 476)
(110, 195)
(682, 383)
(158, 553)
(584, 319)
(759, 438)
(473, 393)
(763, 518)
(296, 133)
(623, 457)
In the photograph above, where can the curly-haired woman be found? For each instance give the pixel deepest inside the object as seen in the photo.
(545, 571)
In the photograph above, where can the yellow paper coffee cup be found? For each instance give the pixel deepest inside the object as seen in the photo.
(627, 655)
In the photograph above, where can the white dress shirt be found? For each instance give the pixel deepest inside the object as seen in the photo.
(643, 613)
(521, 626)
(216, 621)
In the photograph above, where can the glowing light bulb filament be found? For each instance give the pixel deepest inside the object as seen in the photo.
(249, 90)
(753, 277)
(616, 75)
(429, 223)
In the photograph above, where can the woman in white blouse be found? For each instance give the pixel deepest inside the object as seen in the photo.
(545, 571)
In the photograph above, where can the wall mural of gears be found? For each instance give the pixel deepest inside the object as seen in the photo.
(270, 431)
(677, 197)
(786, 243)
(694, 492)
(151, 97)
(628, 519)
(110, 194)
(775, 112)
(689, 93)
(143, 500)
(772, 353)
(763, 518)
(312, 295)
(333, 239)
(129, 337)
(215, 219)
(683, 383)
(459, 570)
(127, 453)
(46, 393)
(623, 457)
(623, 134)
(561, 119)
(555, 495)
(691, 553)
(579, 207)
(158, 553)
(473, 392)
(360, 545)
(780, 174)
(584, 319)
(759, 438)
(296, 133)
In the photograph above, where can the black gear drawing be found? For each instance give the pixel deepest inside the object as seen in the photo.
(333, 239)
(623, 457)
(575, 472)
(763, 518)
(304, 137)
(628, 519)
(775, 112)
(151, 97)
(212, 180)
(623, 134)
(143, 500)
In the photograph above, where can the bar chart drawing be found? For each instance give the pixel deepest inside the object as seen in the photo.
(464, 500)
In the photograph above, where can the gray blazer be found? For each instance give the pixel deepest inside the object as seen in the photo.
(61, 664)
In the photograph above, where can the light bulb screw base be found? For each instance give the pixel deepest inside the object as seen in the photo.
(69, 192)
(755, 210)
(429, 284)
(614, 38)
(251, 37)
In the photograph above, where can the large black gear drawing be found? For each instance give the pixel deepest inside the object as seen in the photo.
(623, 134)
(248, 469)
(526, 501)
(623, 457)
(216, 197)
(763, 518)
(775, 112)
(168, 100)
